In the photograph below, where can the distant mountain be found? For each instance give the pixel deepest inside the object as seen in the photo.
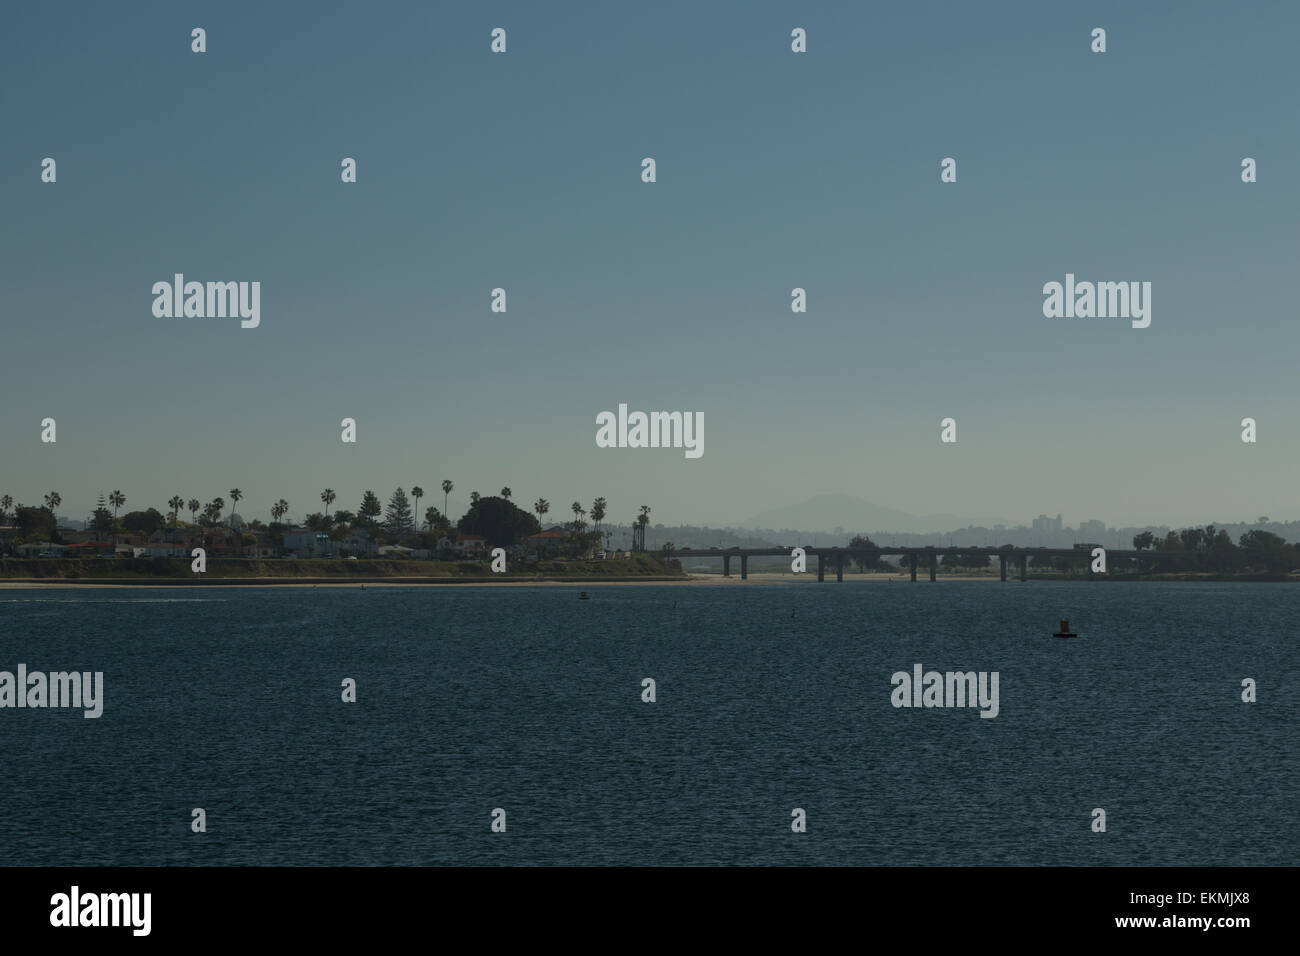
(828, 512)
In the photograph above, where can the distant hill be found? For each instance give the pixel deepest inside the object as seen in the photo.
(828, 512)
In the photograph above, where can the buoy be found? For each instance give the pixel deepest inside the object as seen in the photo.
(1065, 630)
(582, 596)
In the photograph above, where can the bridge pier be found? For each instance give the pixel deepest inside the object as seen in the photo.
(1002, 562)
(839, 568)
(726, 565)
(744, 567)
(1024, 567)
(934, 562)
(913, 560)
(821, 567)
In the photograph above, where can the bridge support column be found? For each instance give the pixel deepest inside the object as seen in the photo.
(913, 560)
(744, 567)
(1024, 567)
(934, 561)
(726, 565)
(1002, 562)
(821, 567)
(839, 568)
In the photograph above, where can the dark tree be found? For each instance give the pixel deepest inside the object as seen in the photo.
(1263, 549)
(35, 524)
(399, 518)
(370, 510)
(144, 522)
(102, 520)
(498, 520)
(865, 561)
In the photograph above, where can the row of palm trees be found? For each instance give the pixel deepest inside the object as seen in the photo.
(213, 510)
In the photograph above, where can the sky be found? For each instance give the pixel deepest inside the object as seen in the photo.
(775, 170)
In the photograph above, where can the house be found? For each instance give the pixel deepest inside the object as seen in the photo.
(469, 545)
(37, 548)
(157, 550)
(360, 543)
(88, 549)
(309, 544)
(177, 536)
(168, 543)
(548, 542)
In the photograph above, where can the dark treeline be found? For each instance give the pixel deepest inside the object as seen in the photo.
(1208, 550)
(493, 517)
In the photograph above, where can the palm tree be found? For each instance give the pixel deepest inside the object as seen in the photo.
(506, 492)
(176, 504)
(116, 499)
(541, 506)
(328, 497)
(194, 507)
(6, 503)
(219, 505)
(283, 506)
(598, 511)
(417, 493)
(578, 511)
(446, 490)
(473, 497)
(235, 495)
(642, 520)
(52, 501)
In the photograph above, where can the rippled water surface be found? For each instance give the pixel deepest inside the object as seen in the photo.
(769, 697)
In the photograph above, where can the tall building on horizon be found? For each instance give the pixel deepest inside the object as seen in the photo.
(1044, 523)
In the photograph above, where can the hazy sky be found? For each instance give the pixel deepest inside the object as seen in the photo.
(775, 170)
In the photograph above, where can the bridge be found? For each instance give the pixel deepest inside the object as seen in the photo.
(838, 557)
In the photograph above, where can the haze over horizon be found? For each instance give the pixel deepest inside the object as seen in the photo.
(774, 171)
(821, 514)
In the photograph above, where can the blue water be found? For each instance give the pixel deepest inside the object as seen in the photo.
(769, 697)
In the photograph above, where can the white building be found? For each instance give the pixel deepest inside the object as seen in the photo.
(309, 544)
(470, 545)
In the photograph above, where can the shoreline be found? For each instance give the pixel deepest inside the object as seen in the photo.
(693, 580)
